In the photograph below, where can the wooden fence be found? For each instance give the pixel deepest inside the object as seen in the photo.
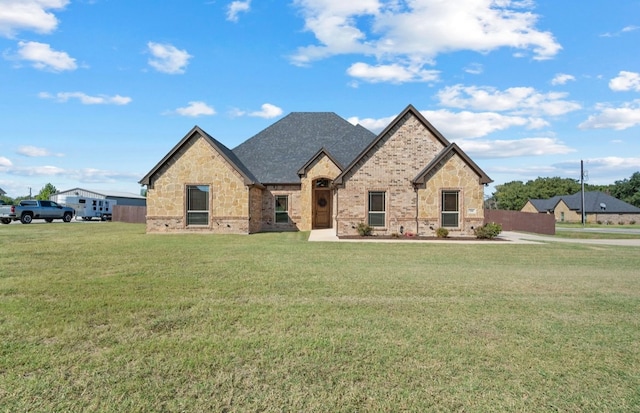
(522, 221)
(130, 214)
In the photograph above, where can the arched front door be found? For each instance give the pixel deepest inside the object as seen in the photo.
(321, 204)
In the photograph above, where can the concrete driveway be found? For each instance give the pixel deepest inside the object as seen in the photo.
(506, 238)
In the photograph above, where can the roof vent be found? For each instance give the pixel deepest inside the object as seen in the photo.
(603, 206)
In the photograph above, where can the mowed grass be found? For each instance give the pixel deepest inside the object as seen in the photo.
(102, 317)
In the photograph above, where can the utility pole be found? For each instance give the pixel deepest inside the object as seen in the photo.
(584, 221)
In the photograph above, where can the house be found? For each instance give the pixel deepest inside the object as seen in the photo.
(122, 198)
(598, 206)
(316, 170)
(2, 193)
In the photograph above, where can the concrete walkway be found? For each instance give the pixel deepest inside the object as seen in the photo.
(510, 237)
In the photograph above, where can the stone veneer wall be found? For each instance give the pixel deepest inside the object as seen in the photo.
(453, 174)
(255, 210)
(389, 167)
(268, 207)
(198, 163)
(323, 167)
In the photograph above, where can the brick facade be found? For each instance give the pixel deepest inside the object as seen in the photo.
(410, 162)
(390, 166)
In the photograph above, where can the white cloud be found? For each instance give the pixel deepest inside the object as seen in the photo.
(43, 57)
(34, 151)
(5, 162)
(195, 109)
(518, 100)
(236, 7)
(167, 58)
(461, 125)
(513, 148)
(619, 118)
(87, 99)
(16, 15)
(562, 78)
(268, 111)
(474, 69)
(394, 73)
(395, 31)
(625, 29)
(625, 81)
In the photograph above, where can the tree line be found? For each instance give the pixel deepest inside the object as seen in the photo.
(515, 194)
(43, 195)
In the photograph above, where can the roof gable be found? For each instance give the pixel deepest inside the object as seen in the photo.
(412, 111)
(276, 154)
(423, 176)
(225, 152)
(322, 152)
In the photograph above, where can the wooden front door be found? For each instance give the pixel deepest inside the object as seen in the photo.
(321, 208)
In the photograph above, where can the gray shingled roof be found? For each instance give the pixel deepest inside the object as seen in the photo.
(594, 202)
(277, 153)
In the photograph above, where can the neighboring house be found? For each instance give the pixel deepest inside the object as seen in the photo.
(122, 198)
(598, 206)
(2, 193)
(316, 170)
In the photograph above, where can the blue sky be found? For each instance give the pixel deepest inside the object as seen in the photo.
(93, 93)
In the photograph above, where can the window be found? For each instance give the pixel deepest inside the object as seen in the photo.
(197, 204)
(282, 209)
(376, 209)
(450, 210)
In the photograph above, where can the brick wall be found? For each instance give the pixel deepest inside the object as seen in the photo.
(522, 221)
(397, 159)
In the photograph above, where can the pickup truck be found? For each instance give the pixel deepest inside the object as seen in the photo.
(27, 211)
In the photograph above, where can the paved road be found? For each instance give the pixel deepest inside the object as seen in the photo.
(604, 229)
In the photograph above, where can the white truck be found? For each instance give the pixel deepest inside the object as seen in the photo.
(88, 208)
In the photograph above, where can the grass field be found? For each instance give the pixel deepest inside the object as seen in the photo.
(102, 317)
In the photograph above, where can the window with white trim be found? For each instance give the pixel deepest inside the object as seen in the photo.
(282, 209)
(450, 209)
(197, 204)
(377, 213)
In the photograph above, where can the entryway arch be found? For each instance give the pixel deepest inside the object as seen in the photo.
(322, 201)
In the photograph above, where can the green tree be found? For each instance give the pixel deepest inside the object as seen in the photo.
(46, 192)
(511, 195)
(514, 195)
(628, 190)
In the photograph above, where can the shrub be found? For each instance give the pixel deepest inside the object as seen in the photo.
(490, 230)
(442, 233)
(620, 222)
(632, 222)
(364, 229)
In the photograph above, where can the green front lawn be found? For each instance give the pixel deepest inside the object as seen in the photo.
(102, 317)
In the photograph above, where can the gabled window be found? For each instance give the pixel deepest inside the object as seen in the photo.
(197, 204)
(282, 209)
(377, 215)
(450, 209)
